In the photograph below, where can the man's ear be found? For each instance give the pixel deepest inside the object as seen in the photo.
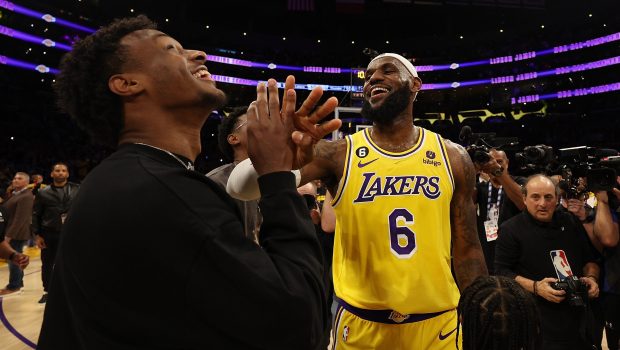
(416, 84)
(124, 85)
(232, 139)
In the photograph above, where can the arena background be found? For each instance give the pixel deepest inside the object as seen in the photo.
(543, 71)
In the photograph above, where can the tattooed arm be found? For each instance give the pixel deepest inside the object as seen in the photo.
(468, 257)
(327, 163)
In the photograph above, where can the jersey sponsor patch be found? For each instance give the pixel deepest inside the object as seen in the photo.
(560, 263)
(429, 159)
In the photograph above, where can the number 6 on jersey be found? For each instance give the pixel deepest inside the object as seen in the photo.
(402, 239)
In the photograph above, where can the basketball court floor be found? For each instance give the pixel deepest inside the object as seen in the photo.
(20, 313)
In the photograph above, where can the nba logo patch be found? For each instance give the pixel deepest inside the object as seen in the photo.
(345, 333)
(560, 263)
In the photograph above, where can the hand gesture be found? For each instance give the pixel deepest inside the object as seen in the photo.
(269, 129)
(307, 130)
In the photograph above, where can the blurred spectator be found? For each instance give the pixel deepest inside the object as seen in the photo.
(232, 141)
(51, 206)
(19, 209)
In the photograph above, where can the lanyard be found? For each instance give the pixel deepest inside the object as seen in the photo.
(499, 197)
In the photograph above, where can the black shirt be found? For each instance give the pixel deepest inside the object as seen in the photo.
(507, 209)
(154, 256)
(525, 248)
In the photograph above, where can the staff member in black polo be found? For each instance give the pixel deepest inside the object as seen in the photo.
(541, 246)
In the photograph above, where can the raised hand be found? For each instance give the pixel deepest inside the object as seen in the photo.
(269, 129)
(306, 119)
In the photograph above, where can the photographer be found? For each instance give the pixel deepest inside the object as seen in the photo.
(541, 244)
(493, 208)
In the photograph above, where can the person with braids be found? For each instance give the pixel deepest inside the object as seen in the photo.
(153, 254)
(232, 142)
(496, 313)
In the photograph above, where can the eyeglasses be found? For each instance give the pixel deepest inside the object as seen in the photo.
(240, 125)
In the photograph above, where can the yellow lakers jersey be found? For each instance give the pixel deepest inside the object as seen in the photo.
(393, 238)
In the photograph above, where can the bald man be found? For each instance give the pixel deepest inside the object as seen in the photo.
(542, 246)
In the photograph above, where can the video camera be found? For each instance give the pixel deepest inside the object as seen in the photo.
(583, 161)
(572, 164)
(538, 159)
(576, 291)
(478, 145)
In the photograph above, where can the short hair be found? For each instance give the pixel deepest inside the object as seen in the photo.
(21, 173)
(536, 176)
(82, 85)
(498, 314)
(60, 163)
(229, 123)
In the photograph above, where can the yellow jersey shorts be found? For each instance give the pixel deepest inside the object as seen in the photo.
(388, 330)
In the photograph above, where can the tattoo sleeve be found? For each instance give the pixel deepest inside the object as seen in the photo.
(468, 257)
(327, 162)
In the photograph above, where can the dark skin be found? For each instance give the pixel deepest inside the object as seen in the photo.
(168, 94)
(399, 134)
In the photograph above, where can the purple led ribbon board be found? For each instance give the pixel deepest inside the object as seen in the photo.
(10, 32)
(357, 88)
(46, 17)
(27, 65)
(334, 70)
(593, 90)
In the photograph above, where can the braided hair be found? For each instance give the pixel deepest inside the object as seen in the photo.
(498, 314)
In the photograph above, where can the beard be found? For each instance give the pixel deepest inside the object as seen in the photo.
(391, 107)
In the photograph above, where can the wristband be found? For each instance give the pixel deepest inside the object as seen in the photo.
(535, 291)
(12, 256)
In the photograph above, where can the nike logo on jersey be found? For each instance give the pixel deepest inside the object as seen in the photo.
(442, 336)
(361, 165)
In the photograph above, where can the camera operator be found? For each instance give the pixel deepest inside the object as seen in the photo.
(541, 244)
(493, 208)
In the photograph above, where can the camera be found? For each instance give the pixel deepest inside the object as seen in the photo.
(479, 153)
(584, 162)
(478, 145)
(539, 155)
(573, 164)
(576, 291)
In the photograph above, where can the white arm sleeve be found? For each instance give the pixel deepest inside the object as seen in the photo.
(243, 181)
